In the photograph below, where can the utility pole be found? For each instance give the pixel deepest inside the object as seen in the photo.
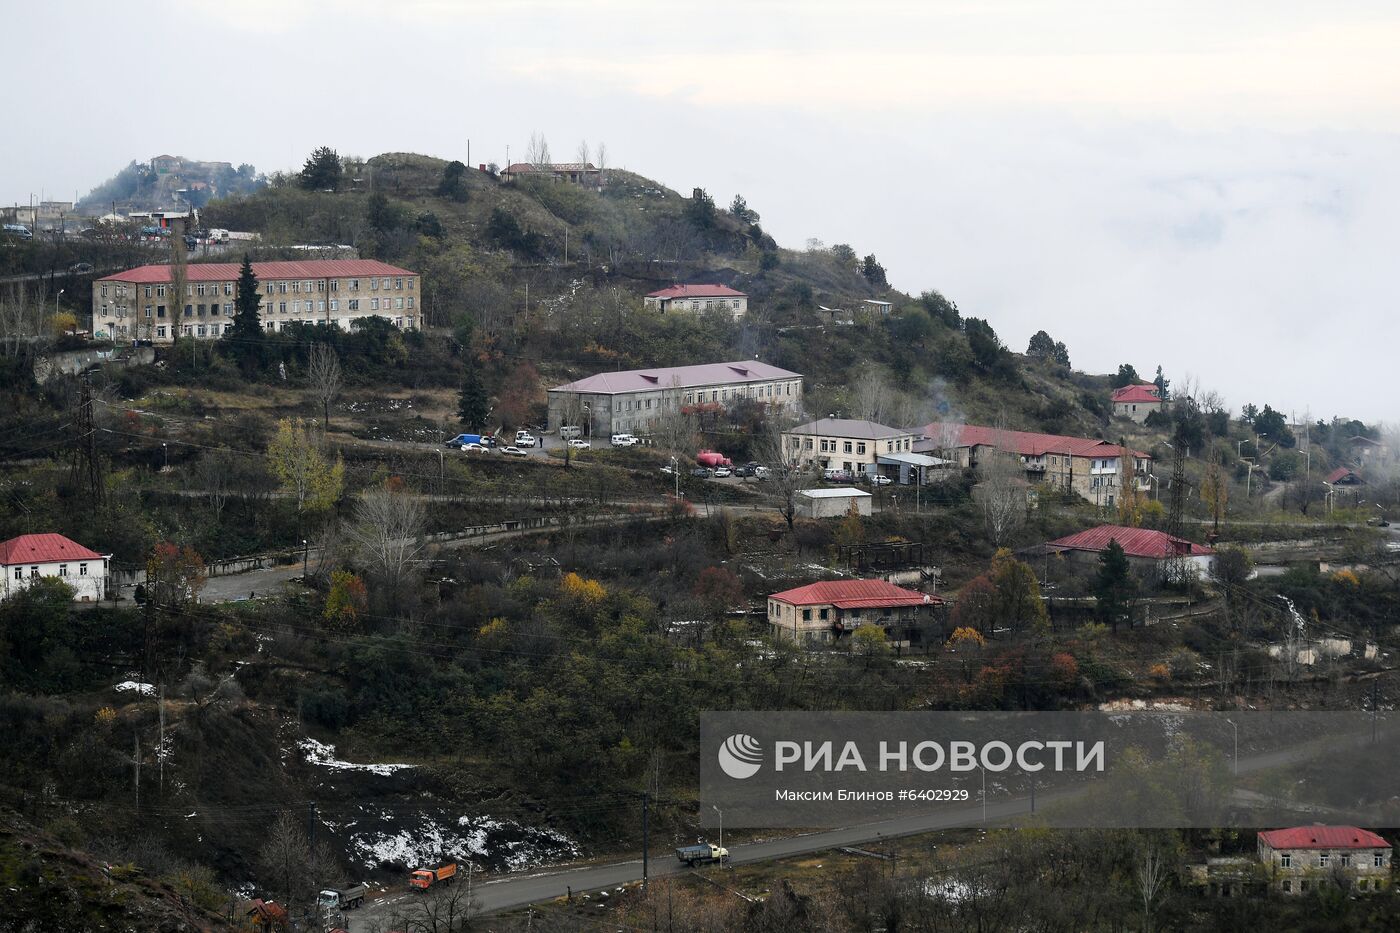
(646, 838)
(311, 824)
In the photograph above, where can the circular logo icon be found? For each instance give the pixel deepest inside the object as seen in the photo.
(740, 756)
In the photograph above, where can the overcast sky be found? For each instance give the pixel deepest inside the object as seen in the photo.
(1208, 186)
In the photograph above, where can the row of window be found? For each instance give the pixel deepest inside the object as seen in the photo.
(1362, 884)
(158, 290)
(830, 445)
(1324, 859)
(296, 307)
(215, 330)
(766, 390)
(62, 571)
(697, 304)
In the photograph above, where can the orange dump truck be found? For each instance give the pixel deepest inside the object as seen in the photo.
(427, 877)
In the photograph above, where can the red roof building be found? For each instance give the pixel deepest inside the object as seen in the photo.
(141, 303)
(1341, 476)
(33, 557)
(823, 611)
(702, 297)
(1088, 466)
(1135, 542)
(1137, 401)
(1302, 859)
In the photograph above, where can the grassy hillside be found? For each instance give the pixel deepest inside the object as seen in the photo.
(551, 275)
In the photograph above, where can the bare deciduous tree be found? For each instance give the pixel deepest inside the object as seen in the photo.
(583, 155)
(324, 377)
(1151, 875)
(674, 428)
(785, 478)
(537, 152)
(1001, 491)
(21, 322)
(214, 476)
(388, 534)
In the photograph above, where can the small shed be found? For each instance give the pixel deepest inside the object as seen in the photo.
(832, 503)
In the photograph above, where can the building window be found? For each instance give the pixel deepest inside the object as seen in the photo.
(374, 304)
(104, 291)
(228, 288)
(149, 311)
(354, 285)
(860, 449)
(1286, 886)
(1361, 884)
(320, 285)
(1379, 860)
(19, 573)
(1286, 860)
(335, 305)
(63, 570)
(808, 443)
(1323, 859)
(33, 573)
(282, 288)
(148, 291)
(825, 614)
(354, 304)
(846, 447)
(385, 284)
(306, 287)
(410, 303)
(374, 285)
(410, 284)
(398, 285)
(1346, 860)
(160, 331)
(806, 615)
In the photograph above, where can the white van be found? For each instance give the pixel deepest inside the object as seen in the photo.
(623, 440)
(570, 431)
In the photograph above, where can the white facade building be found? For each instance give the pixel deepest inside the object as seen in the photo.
(32, 557)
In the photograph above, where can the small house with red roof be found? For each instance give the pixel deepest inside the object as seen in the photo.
(694, 298)
(825, 611)
(1302, 859)
(1147, 549)
(1137, 401)
(1342, 476)
(32, 557)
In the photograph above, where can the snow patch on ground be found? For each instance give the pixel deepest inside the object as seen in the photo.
(133, 686)
(319, 753)
(381, 838)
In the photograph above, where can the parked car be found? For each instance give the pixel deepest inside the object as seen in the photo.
(570, 431)
(667, 469)
(473, 449)
(838, 476)
(701, 472)
(880, 479)
(723, 471)
(524, 439)
(761, 472)
(578, 444)
(80, 268)
(623, 440)
(745, 470)
(513, 451)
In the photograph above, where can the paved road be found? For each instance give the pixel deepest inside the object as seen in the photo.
(518, 891)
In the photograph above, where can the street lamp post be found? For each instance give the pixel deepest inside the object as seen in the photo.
(304, 556)
(1236, 729)
(55, 300)
(721, 826)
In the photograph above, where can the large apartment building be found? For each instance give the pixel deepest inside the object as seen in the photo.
(632, 402)
(141, 304)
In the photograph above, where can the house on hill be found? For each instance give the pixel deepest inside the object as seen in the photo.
(1088, 466)
(824, 612)
(1147, 550)
(1302, 859)
(583, 174)
(693, 298)
(31, 557)
(1137, 401)
(1342, 476)
(1364, 450)
(141, 303)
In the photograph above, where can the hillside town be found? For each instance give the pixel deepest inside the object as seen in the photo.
(428, 542)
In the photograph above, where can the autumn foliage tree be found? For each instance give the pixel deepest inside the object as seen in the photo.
(301, 466)
(174, 575)
(345, 601)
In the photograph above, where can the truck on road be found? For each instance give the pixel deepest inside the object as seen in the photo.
(702, 854)
(344, 898)
(425, 878)
(462, 440)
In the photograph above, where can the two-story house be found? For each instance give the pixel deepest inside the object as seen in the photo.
(845, 444)
(32, 557)
(1304, 858)
(824, 612)
(1137, 401)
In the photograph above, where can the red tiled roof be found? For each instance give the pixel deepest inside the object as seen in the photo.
(697, 291)
(1323, 837)
(1135, 542)
(1340, 474)
(1138, 392)
(1026, 443)
(854, 594)
(228, 271)
(43, 549)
